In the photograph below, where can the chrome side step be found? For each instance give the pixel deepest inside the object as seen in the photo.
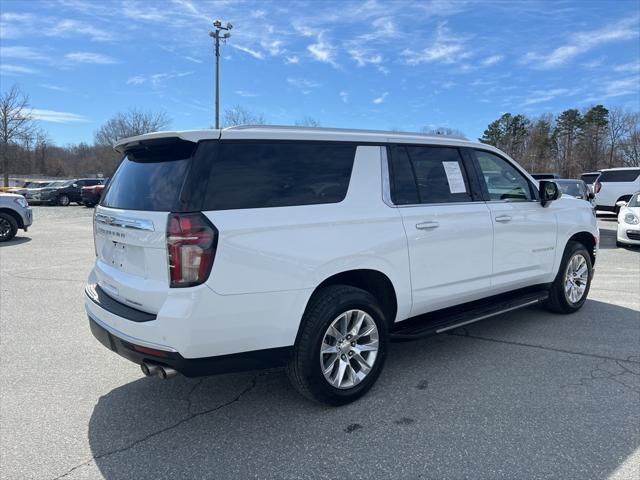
(451, 318)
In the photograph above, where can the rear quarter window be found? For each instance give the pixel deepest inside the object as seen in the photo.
(619, 176)
(278, 174)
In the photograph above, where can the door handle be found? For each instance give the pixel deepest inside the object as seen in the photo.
(503, 219)
(427, 225)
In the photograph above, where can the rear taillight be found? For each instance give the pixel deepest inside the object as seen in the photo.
(191, 244)
(596, 187)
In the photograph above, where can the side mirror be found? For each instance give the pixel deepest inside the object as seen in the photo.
(621, 204)
(591, 195)
(75, 185)
(549, 192)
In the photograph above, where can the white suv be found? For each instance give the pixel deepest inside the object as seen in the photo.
(616, 185)
(251, 247)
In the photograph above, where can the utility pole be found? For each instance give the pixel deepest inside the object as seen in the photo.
(216, 36)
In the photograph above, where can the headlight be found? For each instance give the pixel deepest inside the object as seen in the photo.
(631, 219)
(22, 202)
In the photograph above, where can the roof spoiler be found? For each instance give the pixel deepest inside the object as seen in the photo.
(125, 144)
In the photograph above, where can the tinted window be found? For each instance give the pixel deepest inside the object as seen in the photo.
(150, 178)
(575, 189)
(404, 190)
(589, 178)
(503, 180)
(422, 174)
(619, 176)
(275, 174)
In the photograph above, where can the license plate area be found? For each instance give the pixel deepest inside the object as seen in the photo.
(124, 257)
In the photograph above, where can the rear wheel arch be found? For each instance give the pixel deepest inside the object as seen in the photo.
(373, 281)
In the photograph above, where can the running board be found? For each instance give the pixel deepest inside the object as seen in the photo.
(450, 318)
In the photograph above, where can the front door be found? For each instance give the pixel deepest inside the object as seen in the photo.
(524, 231)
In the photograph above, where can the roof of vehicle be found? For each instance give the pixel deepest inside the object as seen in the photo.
(618, 168)
(597, 172)
(568, 180)
(275, 132)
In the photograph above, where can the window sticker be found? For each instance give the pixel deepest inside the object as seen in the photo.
(454, 177)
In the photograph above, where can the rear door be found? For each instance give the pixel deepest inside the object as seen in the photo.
(448, 228)
(131, 222)
(524, 231)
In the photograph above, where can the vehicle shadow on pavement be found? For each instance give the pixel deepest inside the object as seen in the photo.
(516, 396)
(15, 241)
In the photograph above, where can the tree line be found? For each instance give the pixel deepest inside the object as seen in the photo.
(572, 143)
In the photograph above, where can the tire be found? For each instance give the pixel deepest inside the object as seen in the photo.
(8, 227)
(89, 205)
(568, 296)
(63, 201)
(338, 303)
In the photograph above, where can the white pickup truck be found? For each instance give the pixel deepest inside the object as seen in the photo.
(250, 247)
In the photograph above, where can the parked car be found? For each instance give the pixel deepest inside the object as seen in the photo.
(65, 192)
(251, 247)
(629, 221)
(14, 214)
(589, 179)
(577, 189)
(90, 195)
(615, 185)
(32, 188)
(545, 176)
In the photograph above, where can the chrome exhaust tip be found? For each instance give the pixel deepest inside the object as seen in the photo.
(149, 369)
(166, 373)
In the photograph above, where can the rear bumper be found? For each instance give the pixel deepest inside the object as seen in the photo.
(190, 367)
(90, 198)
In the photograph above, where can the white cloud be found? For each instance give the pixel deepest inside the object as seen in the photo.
(541, 96)
(492, 60)
(68, 28)
(15, 69)
(56, 117)
(292, 60)
(380, 99)
(583, 42)
(624, 86)
(55, 88)
(633, 67)
(344, 96)
(22, 53)
(304, 85)
(249, 51)
(322, 51)
(446, 48)
(363, 57)
(194, 60)
(89, 57)
(136, 80)
(274, 47)
(243, 93)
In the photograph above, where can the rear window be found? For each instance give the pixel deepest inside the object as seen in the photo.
(619, 176)
(589, 178)
(150, 177)
(278, 174)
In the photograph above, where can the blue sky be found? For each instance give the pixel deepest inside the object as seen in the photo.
(361, 64)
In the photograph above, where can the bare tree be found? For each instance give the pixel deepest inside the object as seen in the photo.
(630, 146)
(238, 115)
(129, 124)
(16, 124)
(619, 128)
(307, 122)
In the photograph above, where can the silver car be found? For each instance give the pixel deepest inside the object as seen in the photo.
(14, 214)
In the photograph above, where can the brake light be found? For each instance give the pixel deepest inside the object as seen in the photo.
(596, 187)
(191, 244)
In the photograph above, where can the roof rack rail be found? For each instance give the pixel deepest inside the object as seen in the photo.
(341, 130)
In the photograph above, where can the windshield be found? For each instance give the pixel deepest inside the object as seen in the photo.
(635, 201)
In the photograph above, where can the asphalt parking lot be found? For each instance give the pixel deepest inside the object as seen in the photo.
(528, 394)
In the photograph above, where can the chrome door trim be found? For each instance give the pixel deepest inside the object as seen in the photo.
(125, 222)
